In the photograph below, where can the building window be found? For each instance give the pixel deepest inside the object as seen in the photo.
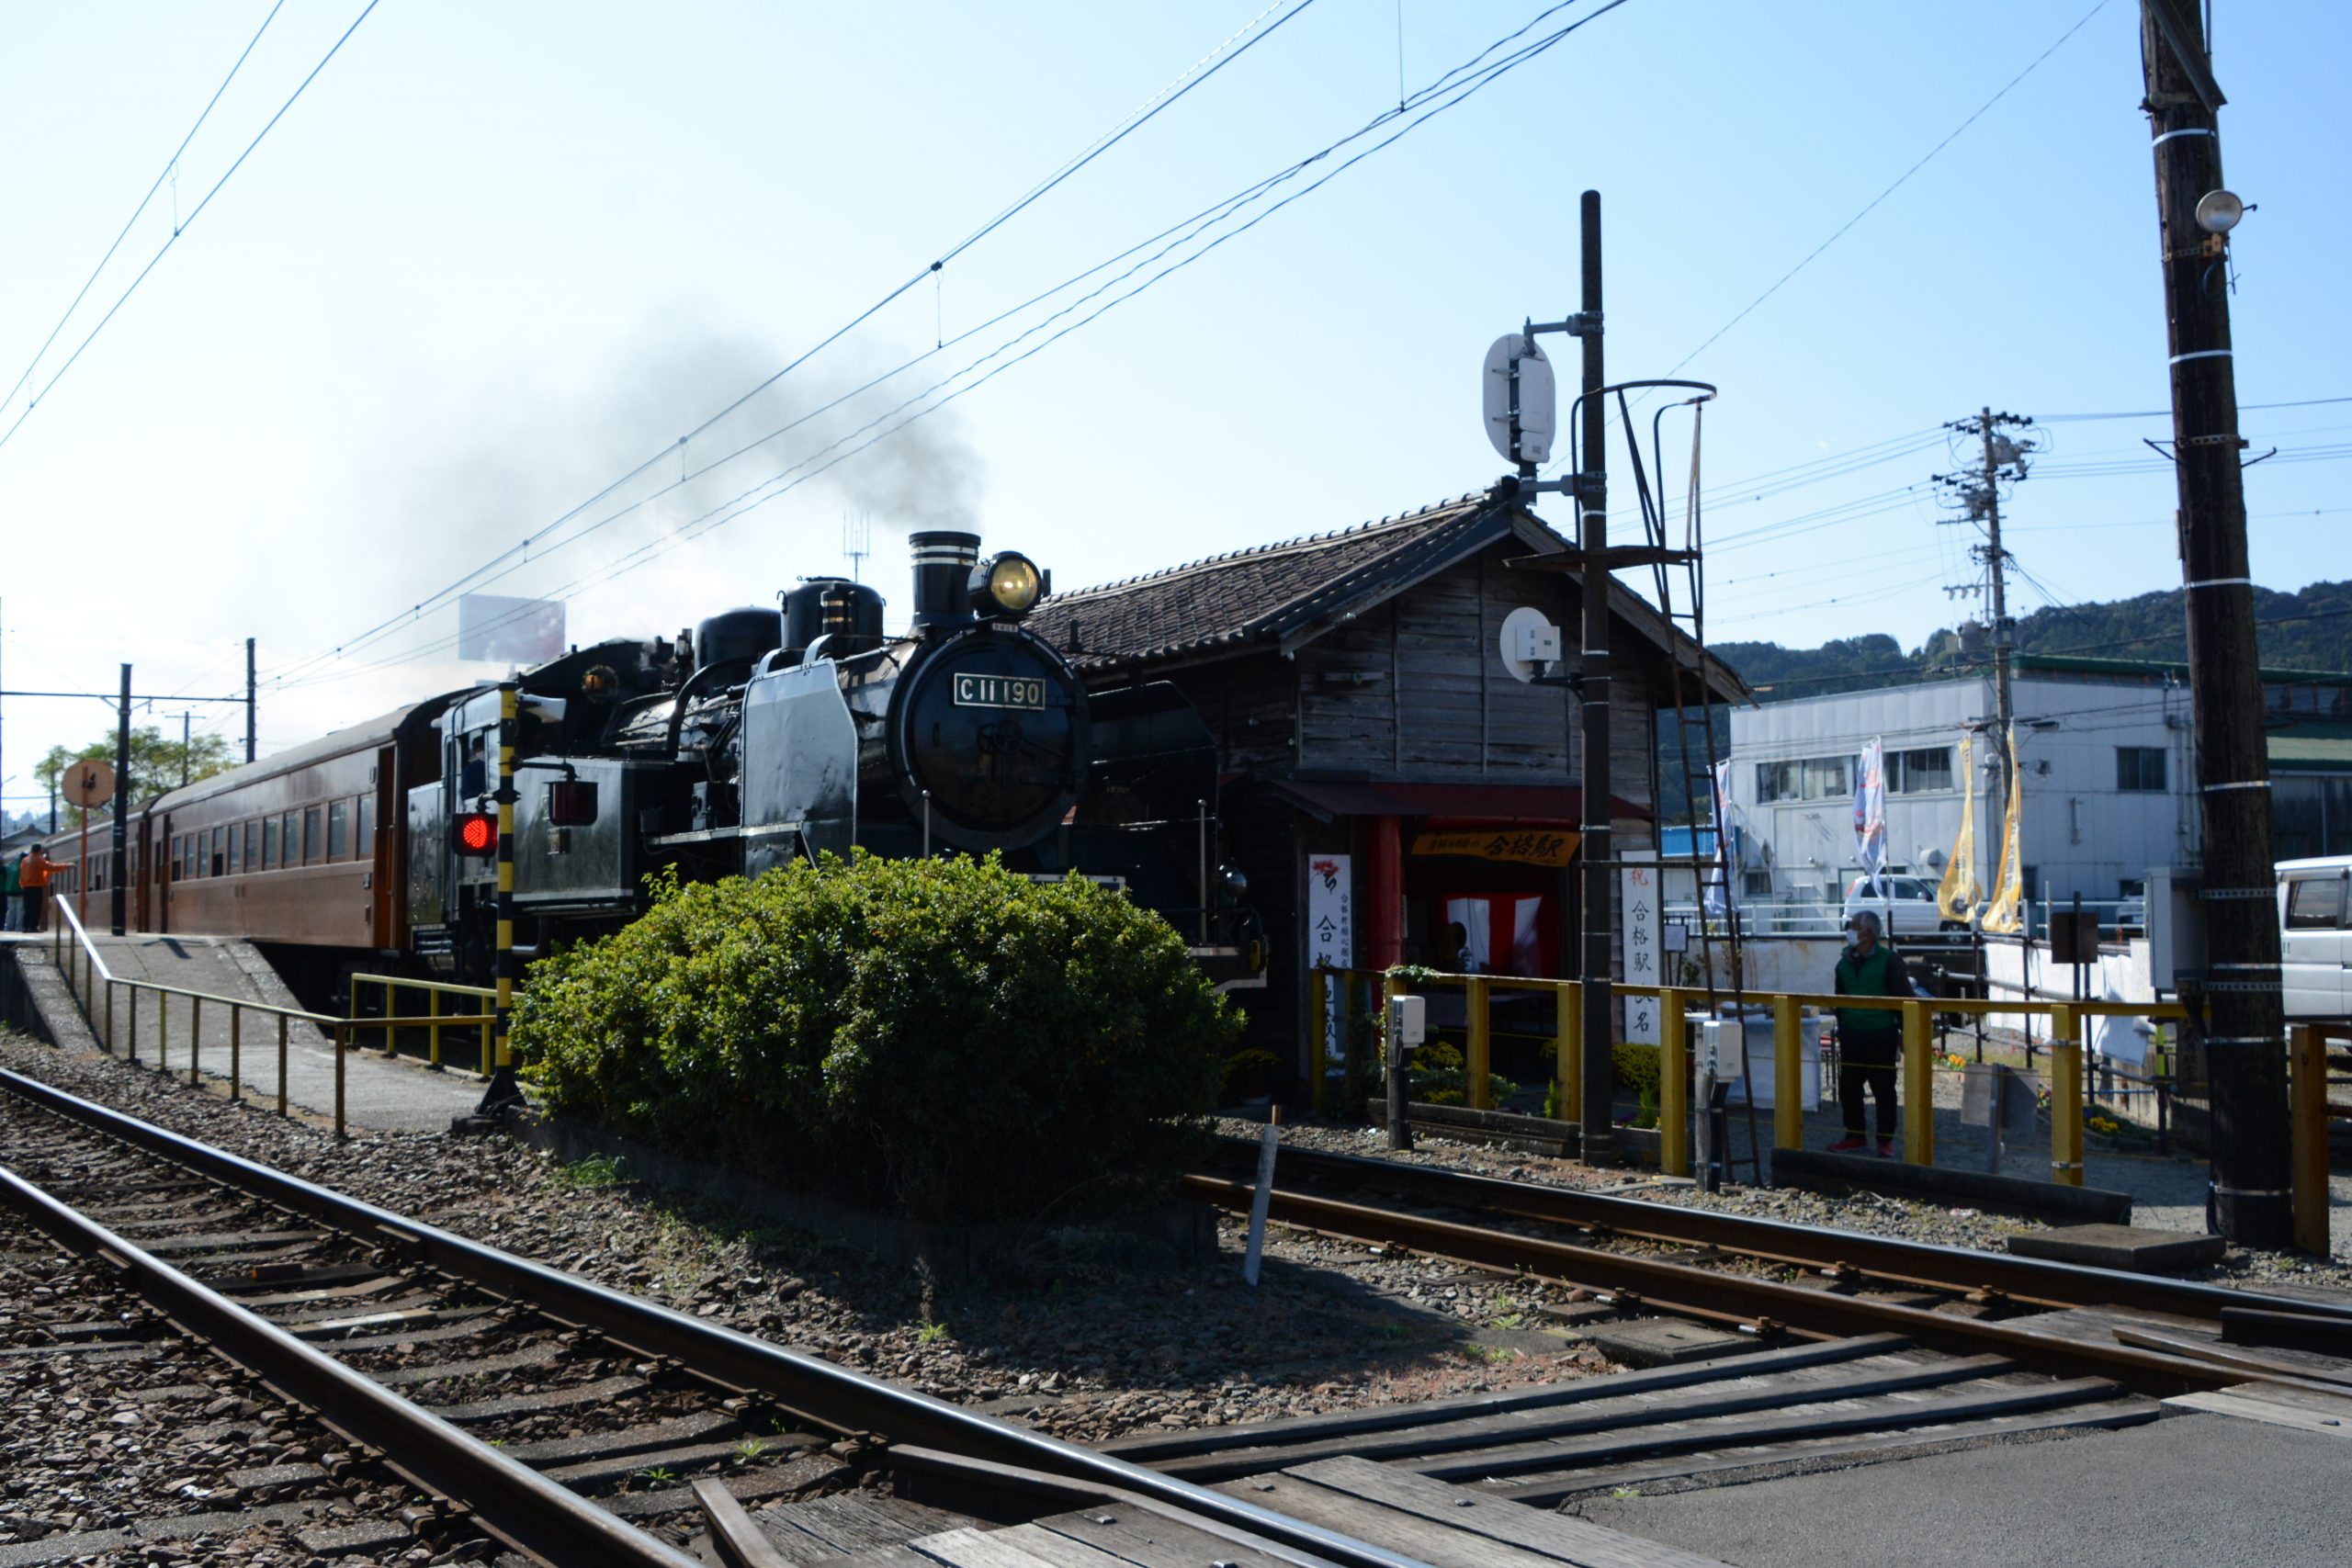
(338, 829)
(1828, 778)
(2140, 769)
(1923, 771)
(2315, 903)
(1814, 778)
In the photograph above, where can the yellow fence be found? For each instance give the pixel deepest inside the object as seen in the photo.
(2308, 1082)
(432, 1021)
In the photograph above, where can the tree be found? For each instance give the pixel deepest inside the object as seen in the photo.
(157, 766)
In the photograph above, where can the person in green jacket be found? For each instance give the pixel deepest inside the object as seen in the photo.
(1870, 1040)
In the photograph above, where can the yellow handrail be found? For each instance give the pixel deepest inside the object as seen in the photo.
(1788, 1008)
(432, 1021)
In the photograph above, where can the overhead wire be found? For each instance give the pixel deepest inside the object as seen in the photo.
(1899, 180)
(186, 224)
(1447, 92)
(169, 164)
(1167, 95)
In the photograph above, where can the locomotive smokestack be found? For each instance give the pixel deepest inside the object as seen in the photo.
(944, 562)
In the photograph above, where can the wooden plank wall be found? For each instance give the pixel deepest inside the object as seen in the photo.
(1415, 689)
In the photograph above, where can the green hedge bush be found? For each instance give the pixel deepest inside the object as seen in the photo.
(945, 1038)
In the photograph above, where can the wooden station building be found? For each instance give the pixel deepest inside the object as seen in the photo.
(1392, 791)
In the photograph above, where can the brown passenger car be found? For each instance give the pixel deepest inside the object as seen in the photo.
(304, 849)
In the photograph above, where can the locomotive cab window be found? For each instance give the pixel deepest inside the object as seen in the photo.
(338, 825)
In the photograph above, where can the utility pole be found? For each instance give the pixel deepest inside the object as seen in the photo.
(1598, 1135)
(184, 745)
(249, 699)
(2004, 631)
(2245, 1048)
(121, 859)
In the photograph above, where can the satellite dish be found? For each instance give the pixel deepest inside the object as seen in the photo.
(1530, 642)
(1539, 401)
(87, 784)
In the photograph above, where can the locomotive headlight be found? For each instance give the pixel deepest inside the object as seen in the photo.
(1008, 585)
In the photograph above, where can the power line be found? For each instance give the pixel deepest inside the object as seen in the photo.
(1461, 83)
(186, 224)
(1167, 95)
(1874, 201)
(2166, 414)
(169, 164)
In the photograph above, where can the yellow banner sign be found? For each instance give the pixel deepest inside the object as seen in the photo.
(1530, 846)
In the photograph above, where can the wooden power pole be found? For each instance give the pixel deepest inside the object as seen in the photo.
(2245, 1045)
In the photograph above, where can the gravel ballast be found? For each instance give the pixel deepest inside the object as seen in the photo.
(1072, 1345)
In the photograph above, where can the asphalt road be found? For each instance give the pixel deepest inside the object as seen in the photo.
(2213, 1490)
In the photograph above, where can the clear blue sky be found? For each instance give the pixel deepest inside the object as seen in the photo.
(496, 256)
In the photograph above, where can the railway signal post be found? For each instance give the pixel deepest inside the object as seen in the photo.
(504, 1092)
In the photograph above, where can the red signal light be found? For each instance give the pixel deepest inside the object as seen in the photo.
(473, 833)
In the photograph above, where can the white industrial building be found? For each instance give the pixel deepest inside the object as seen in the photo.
(2104, 753)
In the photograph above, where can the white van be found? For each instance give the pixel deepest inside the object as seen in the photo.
(2316, 936)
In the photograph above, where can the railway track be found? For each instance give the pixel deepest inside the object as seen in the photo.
(1847, 1344)
(575, 1424)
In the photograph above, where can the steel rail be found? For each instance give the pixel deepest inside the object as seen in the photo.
(1761, 1307)
(807, 1385)
(514, 1502)
(1922, 1263)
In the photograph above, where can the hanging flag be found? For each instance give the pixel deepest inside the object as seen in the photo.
(1956, 895)
(1718, 899)
(2003, 914)
(1870, 813)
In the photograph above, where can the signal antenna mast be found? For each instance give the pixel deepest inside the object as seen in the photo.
(857, 540)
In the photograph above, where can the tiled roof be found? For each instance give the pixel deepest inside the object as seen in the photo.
(1266, 593)
(1263, 596)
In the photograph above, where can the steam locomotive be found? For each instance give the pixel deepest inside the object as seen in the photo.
(759, 738)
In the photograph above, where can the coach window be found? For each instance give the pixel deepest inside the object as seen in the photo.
(338, 824)
(251, 835)
(187, 856)
(289, 853)
(233, 862)
(362, 830)
(219, 864)
(268, 842)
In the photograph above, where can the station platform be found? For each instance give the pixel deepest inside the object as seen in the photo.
(391, 1095)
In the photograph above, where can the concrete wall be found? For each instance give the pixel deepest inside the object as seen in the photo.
(2118, 977)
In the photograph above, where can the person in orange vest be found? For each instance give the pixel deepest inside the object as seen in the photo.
(32, 886)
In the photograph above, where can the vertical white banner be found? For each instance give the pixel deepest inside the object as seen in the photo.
(1642, 943)
(1330, 938)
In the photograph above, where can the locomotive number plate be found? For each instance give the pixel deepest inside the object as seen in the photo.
(1000, 692)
